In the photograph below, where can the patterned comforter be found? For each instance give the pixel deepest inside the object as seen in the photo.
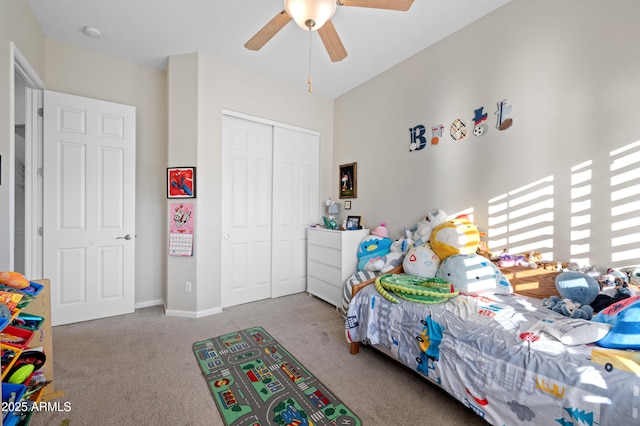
(497, 355)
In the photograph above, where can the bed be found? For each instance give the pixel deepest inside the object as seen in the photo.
(506, 357)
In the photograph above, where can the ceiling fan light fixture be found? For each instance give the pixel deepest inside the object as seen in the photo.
(310, 14)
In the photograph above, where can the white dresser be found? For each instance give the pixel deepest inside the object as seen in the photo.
(332, 257)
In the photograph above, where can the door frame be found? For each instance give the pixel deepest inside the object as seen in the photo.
(33, 163)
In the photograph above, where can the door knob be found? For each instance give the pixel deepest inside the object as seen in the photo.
(126, 237)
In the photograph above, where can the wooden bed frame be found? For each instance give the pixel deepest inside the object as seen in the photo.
(538, 283)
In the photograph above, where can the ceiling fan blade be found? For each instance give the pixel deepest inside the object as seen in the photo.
(402, 5)
(268, 31)
(332, 42)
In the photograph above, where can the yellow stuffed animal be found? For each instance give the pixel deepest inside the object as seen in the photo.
(14, 279)
(456, 236)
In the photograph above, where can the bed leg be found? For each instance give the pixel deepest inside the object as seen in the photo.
(354, 348)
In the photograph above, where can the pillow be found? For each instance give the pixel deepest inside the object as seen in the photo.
(474, 274)
(611, 314)
(575, 331)
(455, 236)
(625, 317)
(421, 261)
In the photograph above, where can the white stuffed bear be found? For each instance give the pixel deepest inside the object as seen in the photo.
(423, 229)
(421, 261)
(403, 244)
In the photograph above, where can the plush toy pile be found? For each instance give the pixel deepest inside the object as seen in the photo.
(435, 248)
(438, 251)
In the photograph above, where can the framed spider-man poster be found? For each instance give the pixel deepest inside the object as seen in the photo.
(181, 182)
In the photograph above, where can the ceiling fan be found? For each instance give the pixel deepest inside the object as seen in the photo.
(315, 15)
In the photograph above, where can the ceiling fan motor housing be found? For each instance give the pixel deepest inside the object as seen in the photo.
(310, 14)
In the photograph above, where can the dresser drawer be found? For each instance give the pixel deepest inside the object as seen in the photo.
(323, 254)
(324, 272)
(323, 237)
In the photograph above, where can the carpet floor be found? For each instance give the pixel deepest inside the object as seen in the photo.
(138, 369)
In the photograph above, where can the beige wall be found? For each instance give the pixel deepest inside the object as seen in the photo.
(192, 137)
(201, 87)
(570, 70)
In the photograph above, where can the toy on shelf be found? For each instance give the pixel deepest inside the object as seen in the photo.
(14, 279)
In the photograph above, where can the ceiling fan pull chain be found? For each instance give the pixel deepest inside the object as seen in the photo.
(309, 79)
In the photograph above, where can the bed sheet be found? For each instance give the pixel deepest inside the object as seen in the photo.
(494, 355)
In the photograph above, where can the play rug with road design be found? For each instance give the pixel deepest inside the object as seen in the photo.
(255, 381)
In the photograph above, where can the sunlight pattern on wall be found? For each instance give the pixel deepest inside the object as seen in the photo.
(581, 194)
(521, 220)
(625, 205)
(524, 219)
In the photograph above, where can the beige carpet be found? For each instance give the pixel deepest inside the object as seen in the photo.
(138, 369)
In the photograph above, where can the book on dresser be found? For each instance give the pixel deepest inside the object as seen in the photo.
(332, 257)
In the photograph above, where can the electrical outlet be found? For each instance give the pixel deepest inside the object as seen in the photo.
(187, 286)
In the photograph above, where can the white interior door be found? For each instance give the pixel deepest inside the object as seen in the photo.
(246, 211)
(295, 206)
(89, 207)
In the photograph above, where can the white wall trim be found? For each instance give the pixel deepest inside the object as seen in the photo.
(269, 122)
(149, 303)
(191, 314)
(24, 69)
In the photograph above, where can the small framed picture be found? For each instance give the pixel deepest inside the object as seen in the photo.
(353, 222)
(347, 205)
(348, 180)
(181, 182)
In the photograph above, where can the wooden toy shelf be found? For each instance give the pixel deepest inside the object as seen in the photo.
(41, 305)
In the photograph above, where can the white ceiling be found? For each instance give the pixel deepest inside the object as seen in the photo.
(149, 31)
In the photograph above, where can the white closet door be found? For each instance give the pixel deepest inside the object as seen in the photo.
(295, 206)
(246, 211)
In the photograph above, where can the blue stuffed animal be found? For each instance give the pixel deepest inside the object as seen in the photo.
(577, 290)
(373, 247)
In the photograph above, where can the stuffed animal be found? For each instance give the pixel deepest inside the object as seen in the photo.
(484, 251)
(14, 279)
(568, 307)
(474, 274)
(577, 290)
(396, 255)
(532, 258)
(634, 275)
(403, 244)
(373, 247)
(421, 261)
(456, 236)
(505, 260)
(424, 228)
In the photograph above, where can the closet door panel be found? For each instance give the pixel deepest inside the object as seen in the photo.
(246, 211)
(295, 200)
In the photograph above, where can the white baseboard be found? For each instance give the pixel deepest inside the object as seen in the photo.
(191, 314)
(149, 303)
